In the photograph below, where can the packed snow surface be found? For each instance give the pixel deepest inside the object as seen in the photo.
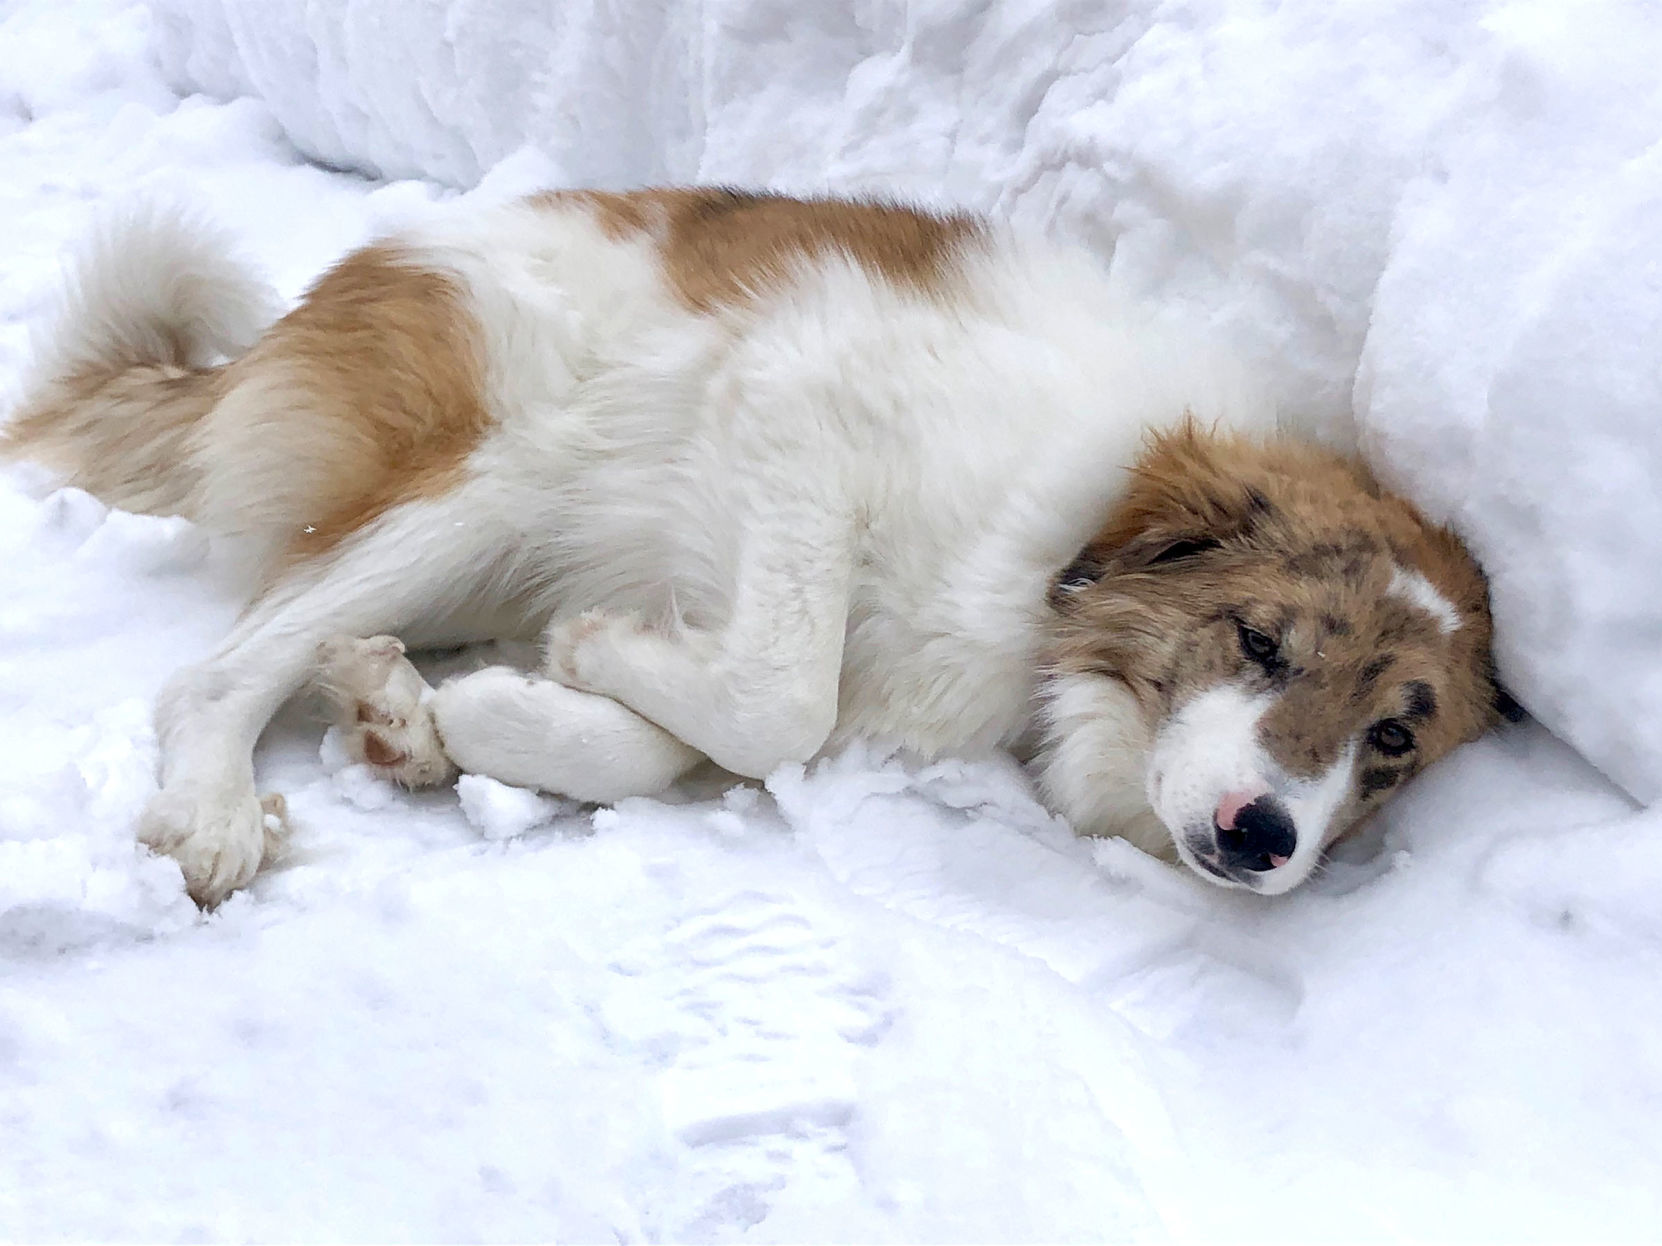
(870, 999)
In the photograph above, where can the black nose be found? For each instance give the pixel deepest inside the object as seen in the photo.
(1262, 830)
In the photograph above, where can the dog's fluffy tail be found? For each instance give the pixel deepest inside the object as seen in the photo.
(132, 364)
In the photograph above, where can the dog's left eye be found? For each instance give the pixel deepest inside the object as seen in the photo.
(1391, 737)
(1256, 645)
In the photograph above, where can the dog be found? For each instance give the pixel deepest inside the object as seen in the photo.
(765, 474)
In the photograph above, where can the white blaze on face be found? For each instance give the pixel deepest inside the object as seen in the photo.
(1207, 748)
(1312, 802)
(1210, 749)
(1422, 594)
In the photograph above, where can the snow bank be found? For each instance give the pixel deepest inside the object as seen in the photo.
(1463, 200)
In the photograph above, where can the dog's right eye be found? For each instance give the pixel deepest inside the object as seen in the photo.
(1256, 645)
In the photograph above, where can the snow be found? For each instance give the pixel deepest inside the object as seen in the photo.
(874, 1000)
(499, 811)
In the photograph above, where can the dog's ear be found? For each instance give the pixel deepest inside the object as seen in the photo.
(1189, 493)
(1507, 706)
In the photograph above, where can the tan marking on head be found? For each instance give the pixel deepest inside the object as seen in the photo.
(722, 248)
(379, 377)
(1217, 534)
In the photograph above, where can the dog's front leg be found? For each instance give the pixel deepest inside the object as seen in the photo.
(756, 692)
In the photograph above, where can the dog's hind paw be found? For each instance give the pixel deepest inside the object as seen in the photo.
(380, 705)
(219, 837)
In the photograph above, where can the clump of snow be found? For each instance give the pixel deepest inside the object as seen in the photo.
(873, 1000)
(70, 872)
(354, 782)
(500, 811)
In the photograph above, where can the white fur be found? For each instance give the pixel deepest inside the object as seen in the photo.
(1422, 594)
(1209, 748)
(1096, 763)
(1312, 804)
(534, 732)
(155, 286)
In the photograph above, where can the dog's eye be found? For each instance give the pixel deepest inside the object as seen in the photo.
(1256, 645)
(1390, 737)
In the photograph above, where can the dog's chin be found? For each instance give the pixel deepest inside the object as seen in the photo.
(1195, 852)
(1201, 862)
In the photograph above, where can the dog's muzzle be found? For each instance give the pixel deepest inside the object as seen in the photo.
(1251, 835)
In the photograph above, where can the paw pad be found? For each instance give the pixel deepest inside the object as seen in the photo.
(379, 752)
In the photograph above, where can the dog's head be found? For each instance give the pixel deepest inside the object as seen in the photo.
(1293, 642)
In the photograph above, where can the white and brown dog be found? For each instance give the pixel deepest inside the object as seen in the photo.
(767, 474)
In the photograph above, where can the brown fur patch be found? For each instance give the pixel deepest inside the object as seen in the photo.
(1299, 544)
(125, 437)
(721, 248)
(367, 395)
(378, 377)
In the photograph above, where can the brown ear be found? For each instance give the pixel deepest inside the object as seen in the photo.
(1187, 495)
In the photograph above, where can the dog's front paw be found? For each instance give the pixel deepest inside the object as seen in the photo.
(563, 644)
(218, 837)
(578, 652)
(380, 704)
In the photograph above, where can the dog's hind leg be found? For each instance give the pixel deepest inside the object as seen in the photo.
(512, 726)
(415, 565)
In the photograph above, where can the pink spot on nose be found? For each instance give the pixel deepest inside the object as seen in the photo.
(1229, 808)
(1276, 862)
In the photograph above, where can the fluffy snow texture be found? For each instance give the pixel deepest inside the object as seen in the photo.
(1449, 212)
(872, 1000)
